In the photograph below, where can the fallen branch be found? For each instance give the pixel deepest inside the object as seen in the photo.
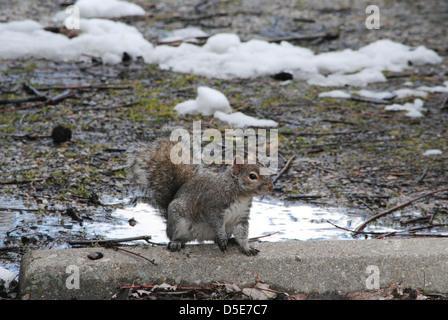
(353, 231)
(107, 242)
(284, 169)
(377, 101)
(267, 235)
(306, 37)
(304, 197)
(86, 87)
(400, 206)
(62, 96)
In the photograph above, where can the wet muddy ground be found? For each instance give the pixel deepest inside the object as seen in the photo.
(348, 154)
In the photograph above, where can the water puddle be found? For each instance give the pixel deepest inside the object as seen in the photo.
(277, 221)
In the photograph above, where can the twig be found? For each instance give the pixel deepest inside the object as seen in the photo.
(422, 176)
(135, 254)
(31, 90)
(377, 101)
(444, 105)
(353, 231)
(57, 98)
(381, 214)
(303, 37)
(108, 242)
(86, 87)
(304, 197)
(267, 235)
(284, 169)
(411, 231)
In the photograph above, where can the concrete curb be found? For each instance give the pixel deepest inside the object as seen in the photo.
(308, 267)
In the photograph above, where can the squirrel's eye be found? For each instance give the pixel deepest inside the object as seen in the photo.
(252, 176)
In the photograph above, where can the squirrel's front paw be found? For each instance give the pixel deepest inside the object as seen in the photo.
(222, 244)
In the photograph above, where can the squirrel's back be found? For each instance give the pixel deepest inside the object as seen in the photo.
(151, 170)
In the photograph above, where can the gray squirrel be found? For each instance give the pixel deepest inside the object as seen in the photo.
(198, 205)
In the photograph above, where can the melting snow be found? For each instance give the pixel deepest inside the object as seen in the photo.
(414, 110)
(212, 102)
(223, 56)
(207, 102)
(432, 152)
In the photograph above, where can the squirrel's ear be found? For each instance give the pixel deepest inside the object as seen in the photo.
(237, 164)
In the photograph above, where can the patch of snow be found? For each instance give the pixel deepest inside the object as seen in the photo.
(432, 152)
(104, 9)
(101, 38)
(358, 79)
(184, 34)
(381, 95)
(334, 94)
(240, 120)
(414, 110)
(207, 102)
(7, 276)
(435, 89)
(212, 102)
(405, 92)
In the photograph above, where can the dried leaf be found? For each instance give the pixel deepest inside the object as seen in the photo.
(255, 294)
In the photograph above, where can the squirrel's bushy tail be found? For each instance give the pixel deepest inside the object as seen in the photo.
(151, 170)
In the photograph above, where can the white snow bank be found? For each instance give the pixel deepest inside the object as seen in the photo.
(101, 38)
(104, 9)
(432, 152)
(223, 55)
(207, 102)
(240, 120)
(212, 102)
(414, 110)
